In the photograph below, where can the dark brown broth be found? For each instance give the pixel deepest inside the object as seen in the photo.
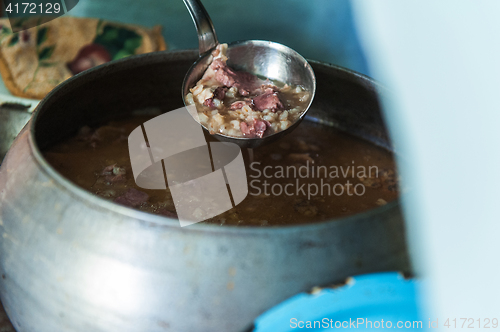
(82, 159)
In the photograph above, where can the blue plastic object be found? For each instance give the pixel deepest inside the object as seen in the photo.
(366, 303)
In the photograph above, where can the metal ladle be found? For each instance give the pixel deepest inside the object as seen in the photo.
(262, 58)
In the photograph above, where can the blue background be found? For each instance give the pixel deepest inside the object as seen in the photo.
(318, 29)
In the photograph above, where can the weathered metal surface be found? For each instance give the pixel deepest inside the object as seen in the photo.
(12, 120)
(71, 261)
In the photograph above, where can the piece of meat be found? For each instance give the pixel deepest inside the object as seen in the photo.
(240, 103)
(220, 92)
(132, 198)
(260, 128)
(108, 170)
(247, 130)
(268, 100)
(254, 129)
(210, 103)
(244, 81)
(114, 174)
(267, 87)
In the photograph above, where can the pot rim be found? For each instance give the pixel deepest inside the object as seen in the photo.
(158, 220)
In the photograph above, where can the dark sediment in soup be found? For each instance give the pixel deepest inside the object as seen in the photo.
(316, 173)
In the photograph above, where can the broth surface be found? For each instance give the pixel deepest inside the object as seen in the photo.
(285, 177)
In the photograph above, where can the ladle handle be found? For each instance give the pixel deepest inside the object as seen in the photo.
(207, 38)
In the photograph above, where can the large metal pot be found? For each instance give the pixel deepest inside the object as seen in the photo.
(11, 122)
(71, 261)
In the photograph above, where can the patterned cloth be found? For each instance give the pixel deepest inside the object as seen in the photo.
(34, 61)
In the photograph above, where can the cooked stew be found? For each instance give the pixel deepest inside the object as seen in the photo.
(239, 104)
(315, 173)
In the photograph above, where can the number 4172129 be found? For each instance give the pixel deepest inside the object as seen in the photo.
(33, 8)
(470, 323)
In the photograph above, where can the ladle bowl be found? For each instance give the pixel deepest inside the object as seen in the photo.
(267, 59)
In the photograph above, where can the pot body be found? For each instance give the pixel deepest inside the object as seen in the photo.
(70, 261)
(11, 123)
